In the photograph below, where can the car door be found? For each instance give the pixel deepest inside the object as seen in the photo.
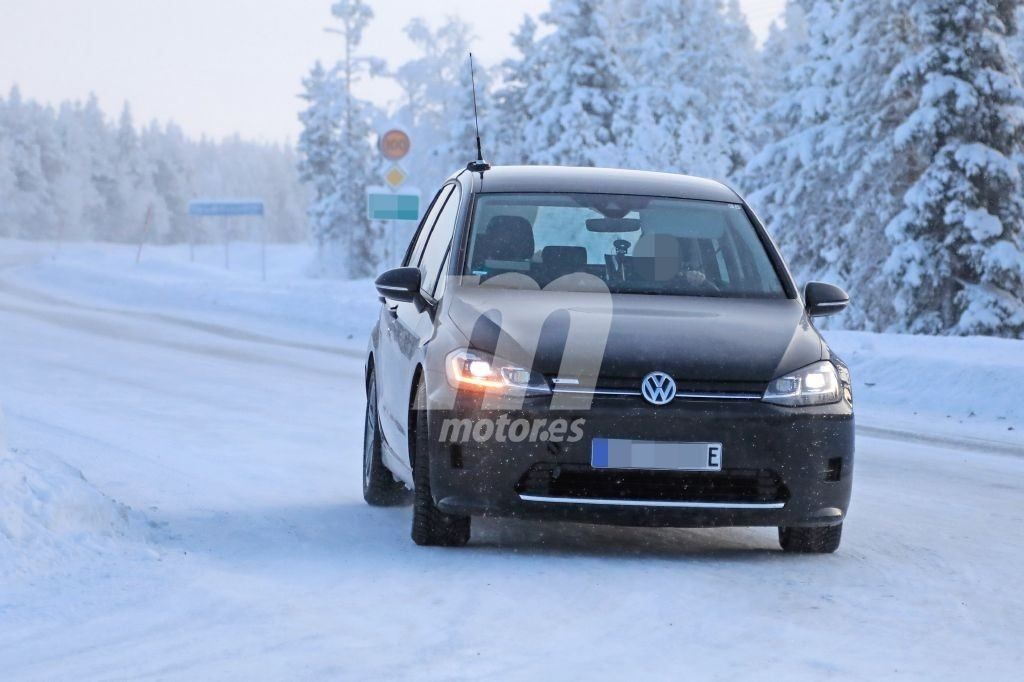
(414, 325)
(394, 374)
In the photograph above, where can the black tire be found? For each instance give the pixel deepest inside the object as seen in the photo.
(380, 489)
(810, 539)
(430, 525)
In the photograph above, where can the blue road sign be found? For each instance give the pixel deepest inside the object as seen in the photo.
(225, 208)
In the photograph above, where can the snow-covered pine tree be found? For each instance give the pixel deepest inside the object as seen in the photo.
(335, 152)
(787, 180)
(509, 115)
(573, 101)
(172, 179)
(34, 161)
(80, 206)
(688, 103)
(1017, 40)
(958, 244)
(829, 185)
(439, 98)
(99, 149)
(317, 148)
(8, 179)
(134, 193)
(460, 138)
(729, 82)
(784, 50)
(663, 122)
(354, 164)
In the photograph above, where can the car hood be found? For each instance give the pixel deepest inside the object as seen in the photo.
(625, 336)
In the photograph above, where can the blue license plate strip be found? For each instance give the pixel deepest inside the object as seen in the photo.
(619, 453)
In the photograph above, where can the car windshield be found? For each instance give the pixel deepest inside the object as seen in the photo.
(632, 244)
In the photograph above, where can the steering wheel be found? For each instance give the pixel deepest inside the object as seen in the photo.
(698, 280)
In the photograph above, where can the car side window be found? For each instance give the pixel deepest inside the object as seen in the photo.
(437, 244)
(442, 280)
(412, 256)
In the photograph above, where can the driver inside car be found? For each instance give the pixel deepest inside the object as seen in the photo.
(661, 242)
(670, 263)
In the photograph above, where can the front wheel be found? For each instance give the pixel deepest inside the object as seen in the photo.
(430, 525)
(810, 539)
(380, 489)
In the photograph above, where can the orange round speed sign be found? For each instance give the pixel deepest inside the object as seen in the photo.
(394, 144)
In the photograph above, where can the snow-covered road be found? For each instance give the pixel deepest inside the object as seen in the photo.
(255, 557)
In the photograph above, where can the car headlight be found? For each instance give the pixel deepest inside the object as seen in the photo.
(476, 370)
(815, 384)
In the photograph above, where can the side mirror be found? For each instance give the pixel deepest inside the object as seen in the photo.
(399, 284)
(824, 299)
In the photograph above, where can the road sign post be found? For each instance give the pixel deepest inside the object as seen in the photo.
(229, 208)
(394, 201)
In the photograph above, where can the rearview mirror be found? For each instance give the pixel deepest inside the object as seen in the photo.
(399, 284)
(614, 225)
(824, 299)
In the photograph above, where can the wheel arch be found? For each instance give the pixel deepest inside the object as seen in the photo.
(368, 371)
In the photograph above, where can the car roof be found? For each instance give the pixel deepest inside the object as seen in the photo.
(601, 181)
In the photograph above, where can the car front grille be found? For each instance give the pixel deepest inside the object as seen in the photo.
(686, 390)
(585, 482)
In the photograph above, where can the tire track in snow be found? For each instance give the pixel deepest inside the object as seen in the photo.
(232, 333)
(953, 442)
(78, 322)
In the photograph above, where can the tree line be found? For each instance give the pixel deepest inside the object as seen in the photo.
(67, 172)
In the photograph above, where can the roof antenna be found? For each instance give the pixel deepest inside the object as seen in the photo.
(479, 165)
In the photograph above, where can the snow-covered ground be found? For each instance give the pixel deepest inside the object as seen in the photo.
(181, 499)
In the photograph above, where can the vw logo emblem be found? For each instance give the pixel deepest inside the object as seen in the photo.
(658, 388)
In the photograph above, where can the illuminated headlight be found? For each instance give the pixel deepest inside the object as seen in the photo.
(815, 384)
(475, 370)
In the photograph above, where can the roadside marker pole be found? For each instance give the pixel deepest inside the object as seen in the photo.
(145, 232)
(263, 250)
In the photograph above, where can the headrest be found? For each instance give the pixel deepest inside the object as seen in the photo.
(564, 257)
(508, 237)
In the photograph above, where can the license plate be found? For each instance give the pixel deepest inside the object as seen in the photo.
(617, 453)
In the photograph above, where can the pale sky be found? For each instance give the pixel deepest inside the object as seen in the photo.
(217, 67)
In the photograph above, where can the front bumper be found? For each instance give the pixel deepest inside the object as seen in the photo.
(780, 466)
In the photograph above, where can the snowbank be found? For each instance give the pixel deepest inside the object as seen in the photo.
(50, 515)
(289, 304)
(937, 385)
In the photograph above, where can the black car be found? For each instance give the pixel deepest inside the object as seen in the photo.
(604, 346)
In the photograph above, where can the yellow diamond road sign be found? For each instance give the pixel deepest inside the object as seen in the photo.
(395, 177)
